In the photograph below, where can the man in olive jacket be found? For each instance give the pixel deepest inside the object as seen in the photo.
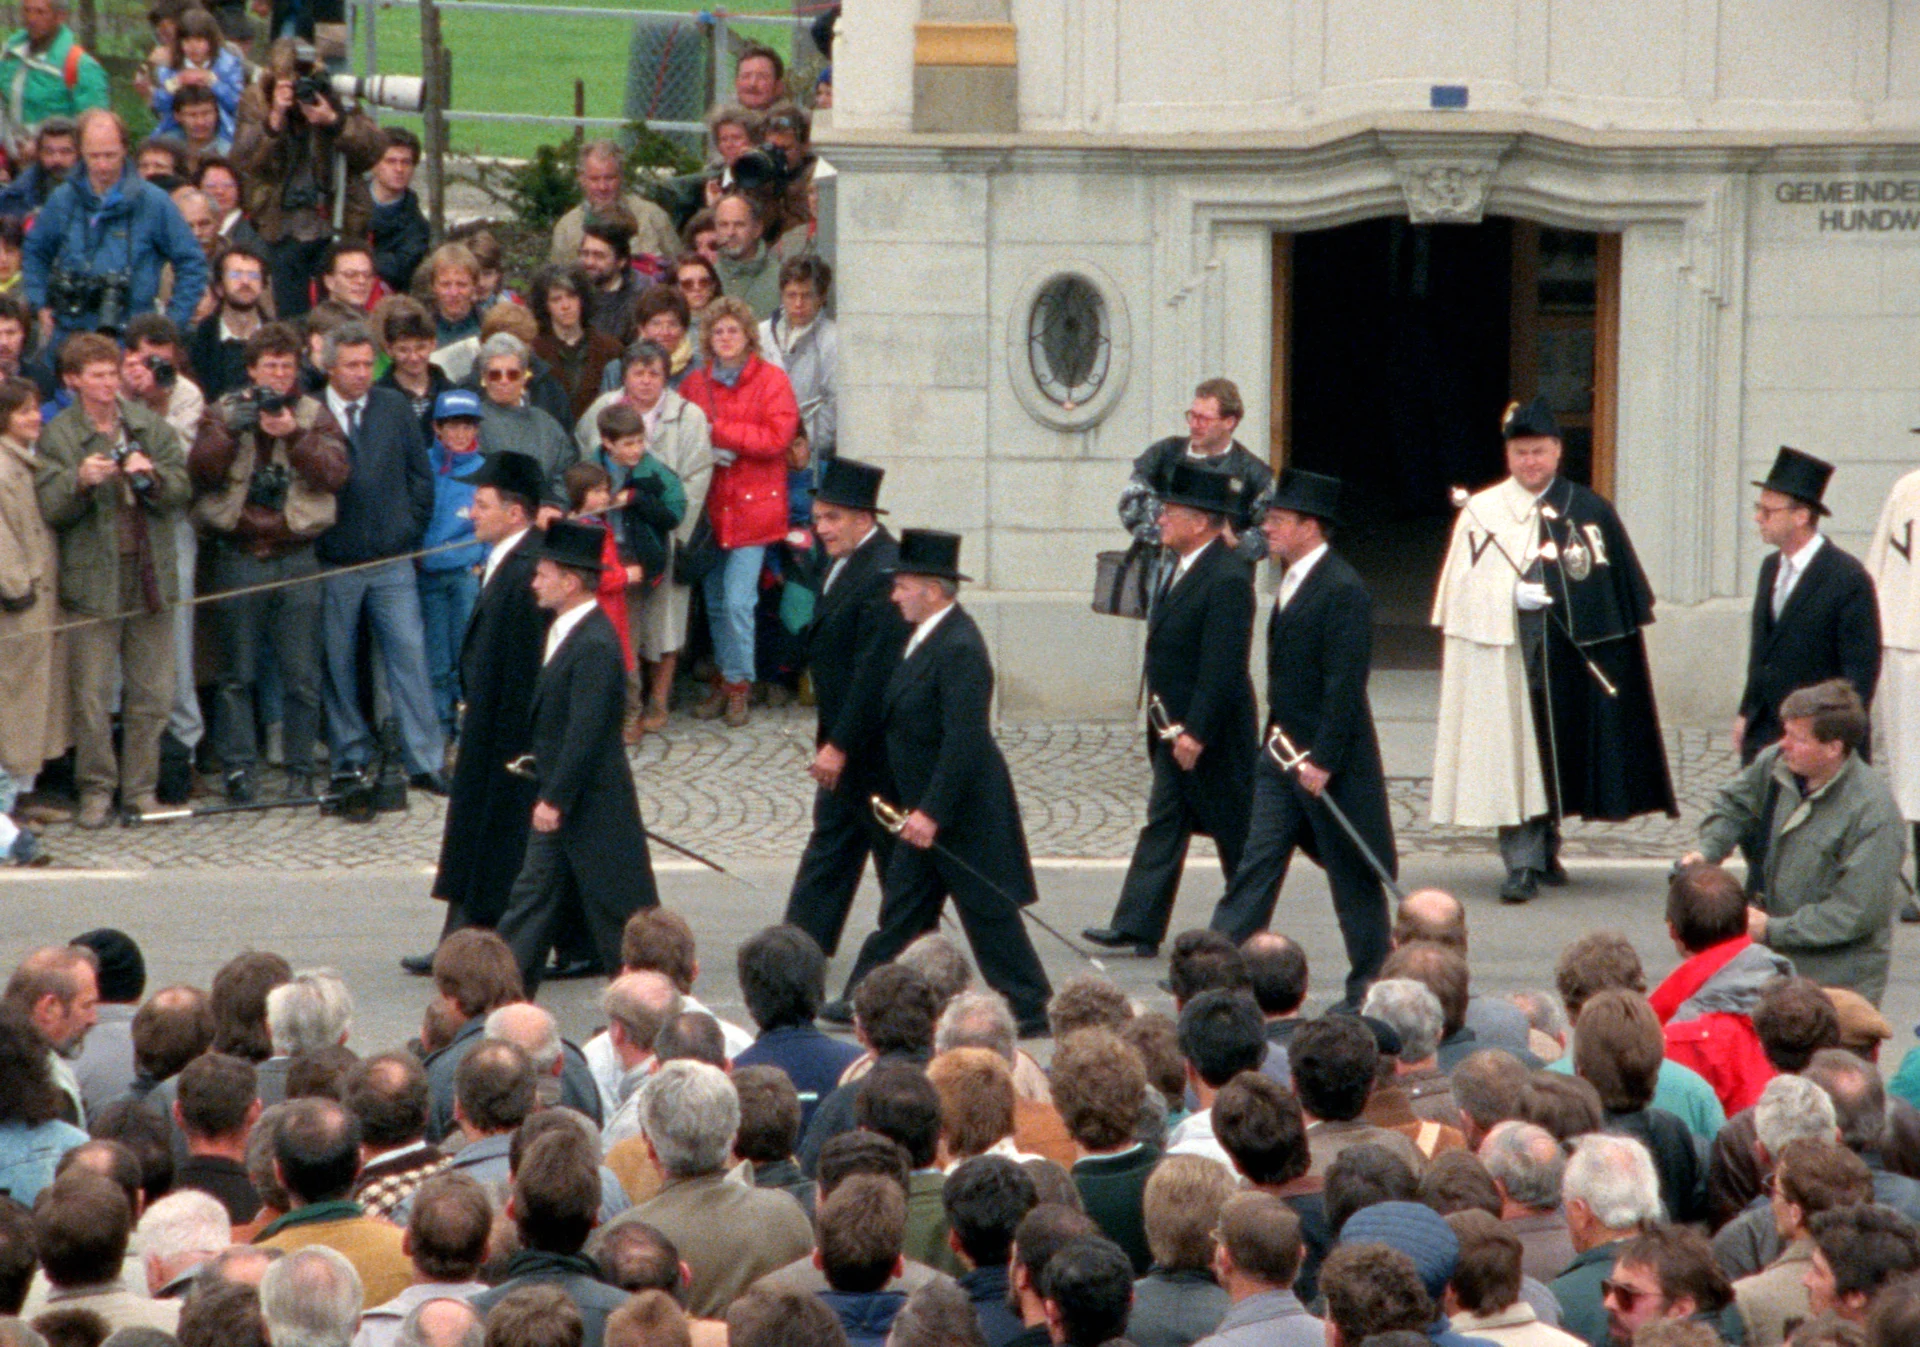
(1824, 890)
(112, 481)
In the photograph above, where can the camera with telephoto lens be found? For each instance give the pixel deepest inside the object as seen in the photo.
(162, 369)
(141, 483)
(74, 295)
(314, 83)
(242, 410)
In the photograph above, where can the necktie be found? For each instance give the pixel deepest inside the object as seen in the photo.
(1781, 583)
(353, 421)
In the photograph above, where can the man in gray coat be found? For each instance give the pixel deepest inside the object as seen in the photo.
(1255, 1260)
(1823, 892)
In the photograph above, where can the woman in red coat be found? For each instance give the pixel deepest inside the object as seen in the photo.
(750, 406)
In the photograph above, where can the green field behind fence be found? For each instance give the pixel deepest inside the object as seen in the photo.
(501, 62)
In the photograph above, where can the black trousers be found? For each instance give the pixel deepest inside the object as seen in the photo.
(550, 906)
(1179, 805)
(1284, 817)
(916, 887)
(292, 265)
(845, 833)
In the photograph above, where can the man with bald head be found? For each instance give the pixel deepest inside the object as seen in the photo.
(1437, 917)
(1527, 1165)
(439, 1323)
(317, 1158)
(637, 1006)
(388, 1094)
(566, 1079)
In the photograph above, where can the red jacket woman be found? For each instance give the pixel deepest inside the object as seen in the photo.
(755, 418)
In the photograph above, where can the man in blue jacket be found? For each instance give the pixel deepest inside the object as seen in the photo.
(94, 254)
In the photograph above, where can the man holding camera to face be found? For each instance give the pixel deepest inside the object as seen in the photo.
(267, 463)
(288, 130)
(111, 479)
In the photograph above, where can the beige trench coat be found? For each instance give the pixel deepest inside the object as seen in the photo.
(33, 667)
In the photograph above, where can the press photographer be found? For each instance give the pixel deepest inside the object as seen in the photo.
(94, 254)
(267, 465)
(298, 143)
(111, 481)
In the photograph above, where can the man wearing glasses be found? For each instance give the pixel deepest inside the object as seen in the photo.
(218, 347)
(1208, 443)
(509, 424)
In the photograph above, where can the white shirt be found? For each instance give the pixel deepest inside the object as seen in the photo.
(1186, 562)
(924, 630)
(1194, 1136)
(338, 406)
(1297, 574)
(499, 554)
(833, 571)
(1791, 569)
(563, 626)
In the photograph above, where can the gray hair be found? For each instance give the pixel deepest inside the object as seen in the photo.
(139, 1335)
(184, 1222)
(505, 344)
(347, 334)
(939, 961)
(600, 149)
(1527, 1162)
(1413, 1011)
(1615, 1177)
(311, 1298)
(690, 1113)
(1793, 1108)
(511, 1023)
(312, 1012)
(640, 1003)
(976, 1020)
(1544, 1012)
(262, 1146)
(413, 1335)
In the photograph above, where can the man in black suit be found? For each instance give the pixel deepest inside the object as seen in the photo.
(1319, 651)
(962, 834)
(1815, 615)
(487, 814)
(587, 855)
(1201, 737)
(852, 647)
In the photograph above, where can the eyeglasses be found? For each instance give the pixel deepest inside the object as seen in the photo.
(696, 283)
(1627, 1296)
(505, 376)
(1200, 419)
(247, 275)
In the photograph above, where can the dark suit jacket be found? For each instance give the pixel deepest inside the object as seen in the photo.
(1197, 641)
(852, 646)
(942, 756)
(1830, 628)
(490, 809)
(387, 502)
(1319, 651)
(1114, 1188)
(578, 709)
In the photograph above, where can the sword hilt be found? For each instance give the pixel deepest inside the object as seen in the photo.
(1163, 724)
(891, 816)
(1281, 749)
(523, 767)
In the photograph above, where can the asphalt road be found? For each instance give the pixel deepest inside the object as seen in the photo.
(361, 921)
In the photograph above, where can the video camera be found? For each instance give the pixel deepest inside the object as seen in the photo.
(314, 83)
(242, 409)
(141, 483)
(762, 170)
(85, 298)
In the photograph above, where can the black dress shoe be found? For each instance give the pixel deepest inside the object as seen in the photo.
(1108, 938)
(420, 965)
(1520, 887)
(1036, 1028)
(1555, 874)
(571, 970)
(431, 782)
(837, 1012)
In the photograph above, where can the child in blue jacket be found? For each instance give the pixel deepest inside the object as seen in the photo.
(448, 581)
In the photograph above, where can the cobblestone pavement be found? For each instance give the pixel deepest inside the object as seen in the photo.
(743, 794)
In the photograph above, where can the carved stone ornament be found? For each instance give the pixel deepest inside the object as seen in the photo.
(1450, 193)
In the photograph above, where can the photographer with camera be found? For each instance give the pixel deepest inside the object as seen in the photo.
(268, 463)
(111, 481)
(289, 133)
(94, 255)
(601, 170)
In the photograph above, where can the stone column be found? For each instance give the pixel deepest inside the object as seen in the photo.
(965, 68)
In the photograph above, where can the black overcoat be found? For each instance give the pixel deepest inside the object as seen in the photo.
(943, 759)
(852, 647)
(489, 808)
(1198, 636)
(1829, 628)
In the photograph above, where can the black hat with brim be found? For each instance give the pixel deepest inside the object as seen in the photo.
(1801, 476)
(1308, 493)
(1522, 420)
(514, 474)
(573, 544)
(929, 552)
(1200, 488)
(851, 484)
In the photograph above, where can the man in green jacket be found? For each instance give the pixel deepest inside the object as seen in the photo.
(112, 480)
(44, 72)
(1827, 882)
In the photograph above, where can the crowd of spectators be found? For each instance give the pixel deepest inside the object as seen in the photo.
(224, 1166)
(233, 362)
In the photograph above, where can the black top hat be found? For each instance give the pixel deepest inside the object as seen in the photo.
(1532, 418)
(1309, 493)
(1799, 475)
(929, 552)
(1200, 488)
(569, 542)
(515, 474)
(847, 482)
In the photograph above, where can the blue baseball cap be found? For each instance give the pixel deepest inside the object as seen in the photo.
(455, 403)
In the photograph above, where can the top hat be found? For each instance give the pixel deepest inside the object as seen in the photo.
(1308, 493)
(847, 482)
(1200, 488)
(929, 552)
(1532, 418)
(456, 402)
(1799, 475)
(515, 474)
(574, 544)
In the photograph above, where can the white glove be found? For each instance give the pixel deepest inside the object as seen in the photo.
(1530, 596)
(724, 457)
